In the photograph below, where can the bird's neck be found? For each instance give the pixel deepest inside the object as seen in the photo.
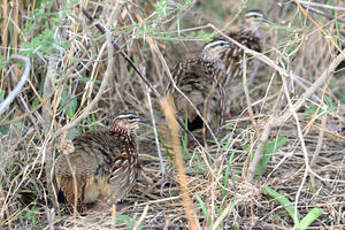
(253, 28)
(127, 140)
(124, 135)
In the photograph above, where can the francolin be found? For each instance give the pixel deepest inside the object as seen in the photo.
(103, 165)
(205, 80)
(249, 34)
(198, 81)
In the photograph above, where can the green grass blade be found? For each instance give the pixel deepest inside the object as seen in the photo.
(227, 175)
(270, 148)
(288, 206)
(2, 95)
(310, 218)
(204, 210)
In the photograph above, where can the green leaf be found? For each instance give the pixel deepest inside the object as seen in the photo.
(2, 95)
(3, 62)
(270, 148)
(204, 210)
(91, 121)
(166, 148)
(331, 105)
(4, 129)
(191, 34)
(37, 4)
(310, 218)
(228, 210)
(287, 205)
(227, 175)
(35, 103)
(72, 107)
(31, 216)
(312, 110)
(126, 219)
(63, 98)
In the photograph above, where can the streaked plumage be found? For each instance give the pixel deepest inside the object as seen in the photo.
(199, 81)
(105, 164)
(230, 56)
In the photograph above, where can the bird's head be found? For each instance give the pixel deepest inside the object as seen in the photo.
(255, 19)
(127, 123)
(213, 50)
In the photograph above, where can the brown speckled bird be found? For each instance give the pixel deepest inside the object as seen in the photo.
(198, 80)
(105, 164)
(249, 34)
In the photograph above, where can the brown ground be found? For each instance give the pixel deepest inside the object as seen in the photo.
(308, 169)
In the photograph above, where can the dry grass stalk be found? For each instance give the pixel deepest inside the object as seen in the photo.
(177, 149)
(2, 200)
(319, 27)
(142, 217)
(23, 185)
(276, 121)
(4, 38)
(105, 81)
(113, 216)
(246, 93)
(318, 148)
(25, 76)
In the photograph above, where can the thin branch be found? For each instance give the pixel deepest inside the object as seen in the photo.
(318, 148)
(276, 121)
(268, 61)
(19, 86)
(103, 30)
(102, 88)
(246, 93)
(307, 6)
(309, 3)
(320, 28)
(161, 161)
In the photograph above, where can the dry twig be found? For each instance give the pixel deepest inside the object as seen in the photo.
(276, 121)
(105, 82)
(19, 86)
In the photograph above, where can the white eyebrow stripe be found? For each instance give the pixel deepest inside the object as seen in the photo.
(125, 116)
(251, 14)
(215, 43)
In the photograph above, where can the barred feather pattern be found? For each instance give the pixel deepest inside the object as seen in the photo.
(105, 164)
(199, 80)
(231, 58)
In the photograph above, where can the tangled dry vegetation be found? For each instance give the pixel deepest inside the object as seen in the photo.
(277, 164)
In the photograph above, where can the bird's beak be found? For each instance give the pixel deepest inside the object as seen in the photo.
(142, 120)
(266, 20)
(231, 45)
(135, 126)
(267, 23)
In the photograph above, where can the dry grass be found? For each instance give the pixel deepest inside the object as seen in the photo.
(76, 83)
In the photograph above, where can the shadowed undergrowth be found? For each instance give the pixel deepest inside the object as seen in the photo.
(298, 182)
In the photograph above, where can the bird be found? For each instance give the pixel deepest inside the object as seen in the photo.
(205, 79)
(229, 57)
(198, 81)
(102, 165)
